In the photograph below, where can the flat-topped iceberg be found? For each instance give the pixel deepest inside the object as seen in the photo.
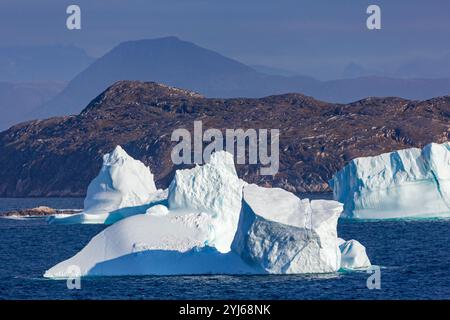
(122, 188)
(214, 223)
(410, 183)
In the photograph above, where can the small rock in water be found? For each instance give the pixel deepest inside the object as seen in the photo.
(34, 212)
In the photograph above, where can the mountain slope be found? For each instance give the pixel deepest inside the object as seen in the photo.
(184, 64)
(59, 156)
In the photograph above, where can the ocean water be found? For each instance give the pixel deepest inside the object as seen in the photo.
(414, 257)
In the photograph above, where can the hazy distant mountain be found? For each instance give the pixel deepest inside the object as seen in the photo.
(355, 70)
(184, 64)
(273, 70)
(42, 63)
(347, 90)
(18, 100)
(426, 68)
(418, 68)
(171, 61)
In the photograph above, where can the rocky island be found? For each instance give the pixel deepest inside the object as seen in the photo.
(41, 211)
(60, 156)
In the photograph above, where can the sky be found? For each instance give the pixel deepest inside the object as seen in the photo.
(304, 36)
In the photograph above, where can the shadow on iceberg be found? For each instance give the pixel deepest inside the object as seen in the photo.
(198, 261)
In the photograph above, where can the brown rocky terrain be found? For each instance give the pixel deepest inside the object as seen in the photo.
(59, 156)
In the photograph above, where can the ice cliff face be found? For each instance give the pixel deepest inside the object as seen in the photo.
(280, 233)
(410, 183)
(213, 188)
(207, 210)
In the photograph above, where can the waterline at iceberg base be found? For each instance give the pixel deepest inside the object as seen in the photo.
(410, 183)
(211, 222)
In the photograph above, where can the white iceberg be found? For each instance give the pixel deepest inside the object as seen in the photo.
(208, 210)
(190, 232)
(213, 188)
(281, 233)
(123, 187)
(353, 255)
(410, 183)
(173, 243)
(288, 235)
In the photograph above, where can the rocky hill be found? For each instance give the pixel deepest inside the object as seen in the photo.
(59, 156)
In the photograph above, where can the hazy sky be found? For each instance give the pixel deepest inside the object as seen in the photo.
(304, 36)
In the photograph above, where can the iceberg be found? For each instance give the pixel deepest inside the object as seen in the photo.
(213, 188)
(123, 187)
(190, 232)
(410, 183)
(281, 233)
(212, 222)
(173, 243)
(122, 182)
(353, 255)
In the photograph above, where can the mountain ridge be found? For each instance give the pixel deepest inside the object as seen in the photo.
(184, 64)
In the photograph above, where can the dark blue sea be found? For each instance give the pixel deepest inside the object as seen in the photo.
(414, 257)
